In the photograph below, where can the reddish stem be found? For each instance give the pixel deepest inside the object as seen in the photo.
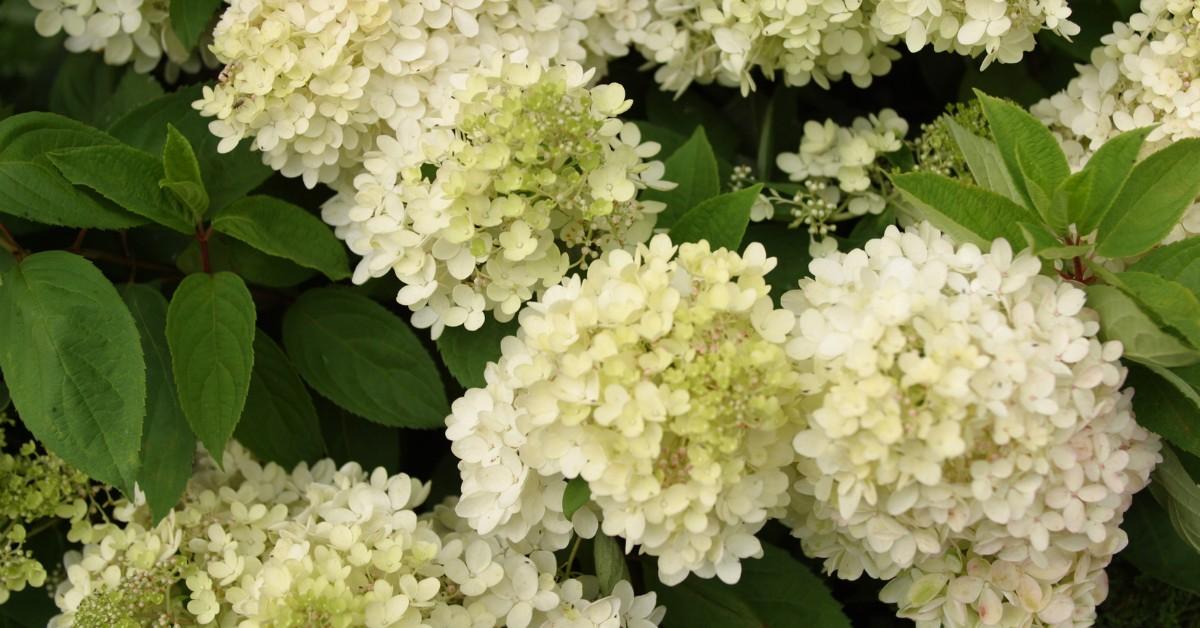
(10, 243)
(202, 236)
(78, 244)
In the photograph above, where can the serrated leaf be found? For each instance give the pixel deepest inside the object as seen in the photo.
(1013, 127)
(168, 445)
(38, 193)
(210, 330)
(611, 567)
(1154, 197)
(284, 230)
(1106, 173)
(575, 496)
(125, 176)
(1179, 262)
(279, 423)
(1121, 319)
(181, 174)
(721, 220)
(693, 167)
(364, 358)
(466, 353)
(1166, 404)
(190, 18)
(81, 393)
(243, 260)
(1169, 302)
(965, 212)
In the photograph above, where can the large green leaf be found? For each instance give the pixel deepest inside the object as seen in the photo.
(1121, 319)
(28, 136)
(365, 359)
(984, 161)
(611, 567)
(168, 444)
(190, 18)
(127, 177)
(89, 90)
(693, 167)
(1167, 405)
(73, 363)
(38, 193)
(466, 353)
(284, 230)
(965, 212)
(721, 220)
(1179, 262)
(1156, 549)
(1020, 137)
(210, 330)
(181, 174)
(279, 423)
(1169, 302)
(1154, 197)
(1089, 193)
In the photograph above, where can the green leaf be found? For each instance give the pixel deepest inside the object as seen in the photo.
(190, 18)
(721, 220)
(965, 212)
(210, 330)
(351, 439)
(29, 136)
(364, 358)
(182, 174)
(125, 176)
(1041, 197)
(984, 161)
(1121, 319)
(575, 496)
(284, 230)
(1090, 192)
(279, 422)
(243, 260)
(611, 567)
(789, 247)
(1167, 405)
(36, 192)
(1179, 262)
(168, 445)
(466, 353)
(684, 113)
(1156, 549)
(1047, 245)
(227, 176)
(1183, 503)
(80, 392)
(1169, 302)
(668, 140)
(775, 590)
(91, 91)
(693, 167)
(1013, 127)
(1158, 191)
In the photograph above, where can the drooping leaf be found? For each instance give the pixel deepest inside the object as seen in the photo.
(721, 220)
(693, 167)
(1154, 197)
(279, 422)
(364, 358)
(1178, 262)
(575, 496)
(190, 18)
(181, 174)
(1156, 549)
(81, 393)
(1013, 127)
(611, 567)
(984, 161)
(1167, 405)
(466, 353)
(967, 213)
(125, 176)
(168, 444)
(1106, 173)
(252, 265)
(210, 331)
(284, 230)
(1168, 302)
(1183, 497)
(1121, 319)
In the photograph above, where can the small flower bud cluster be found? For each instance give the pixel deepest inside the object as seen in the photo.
(661, 380)
(254, 545)
(538, 176)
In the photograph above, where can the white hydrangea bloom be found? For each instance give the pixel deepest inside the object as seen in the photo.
(964, 397)
(315, 83)
(661, 381)
(125, 31)
(538, 177)
(1144, 74)
(839, 167)
(255, 545)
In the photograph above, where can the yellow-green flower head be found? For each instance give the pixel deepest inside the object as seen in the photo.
(661, 380)
(534, 176)
(257, 546)
(964, 398)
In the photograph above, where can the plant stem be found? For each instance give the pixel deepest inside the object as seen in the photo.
(202, 236)
(101, 256)
(9, 243)
(78, 244)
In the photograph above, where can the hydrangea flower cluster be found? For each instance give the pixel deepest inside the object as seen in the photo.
(1144, 74)
(125, 31)
(316, 83)
(841, 169)
(535, 176)
(659, 379)
(34, 485)
(256, 545)
(965, 401)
